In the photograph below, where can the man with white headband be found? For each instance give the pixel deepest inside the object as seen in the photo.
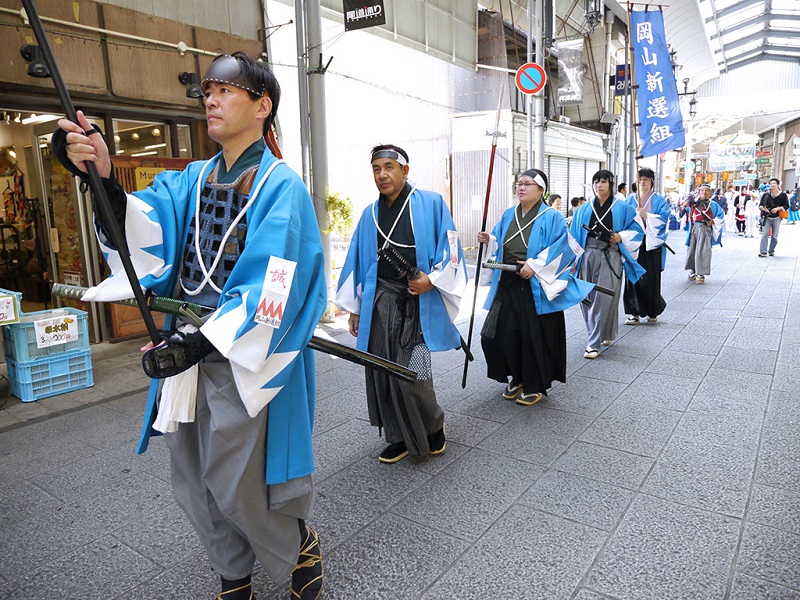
(524, 336)
(238, 233)
(403, 302)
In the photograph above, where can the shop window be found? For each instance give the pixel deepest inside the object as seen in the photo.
(141, 138)
(184, 141)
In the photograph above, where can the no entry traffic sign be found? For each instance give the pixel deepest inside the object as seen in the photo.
(530, 78)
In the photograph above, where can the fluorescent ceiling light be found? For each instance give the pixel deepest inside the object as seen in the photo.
(33, 119)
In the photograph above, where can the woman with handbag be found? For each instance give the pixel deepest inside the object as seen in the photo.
(774, 207)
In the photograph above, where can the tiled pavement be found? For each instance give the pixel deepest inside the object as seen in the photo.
(667, 468)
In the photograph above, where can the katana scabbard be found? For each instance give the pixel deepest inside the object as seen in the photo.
(194, 313)
(115, 235)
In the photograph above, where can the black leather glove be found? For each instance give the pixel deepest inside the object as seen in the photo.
(58, 143)
(180, 352)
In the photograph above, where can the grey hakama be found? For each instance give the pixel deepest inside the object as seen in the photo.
(602, 265)
(218, 478)
(408, 412)
(698, 254)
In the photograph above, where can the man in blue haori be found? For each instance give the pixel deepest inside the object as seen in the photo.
(643, 298)
(524, 336)
(237, 233)
(399, 313)
(704, 224)
(607, 230)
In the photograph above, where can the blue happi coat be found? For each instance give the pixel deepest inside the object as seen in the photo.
(270, 362)
(624, 223)
(551, 257)
(439, 254)
(655, 226)
(716, 229)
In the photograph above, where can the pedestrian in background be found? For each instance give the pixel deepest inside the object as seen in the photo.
(773, 204)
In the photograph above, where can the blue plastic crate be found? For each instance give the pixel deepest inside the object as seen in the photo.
(19, 339)
(50, 376)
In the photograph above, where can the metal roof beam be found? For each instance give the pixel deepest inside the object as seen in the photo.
(733, 9)
(760, 54)
(757, 20)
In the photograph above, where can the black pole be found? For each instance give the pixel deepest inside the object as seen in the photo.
(115, 234)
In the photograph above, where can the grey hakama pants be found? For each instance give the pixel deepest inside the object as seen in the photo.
(698, 254)
(602, 264)
(218, 479)
(407, 411)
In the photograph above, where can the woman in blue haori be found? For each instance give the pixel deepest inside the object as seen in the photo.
(643, 298)
(607, 230)
(524, 336)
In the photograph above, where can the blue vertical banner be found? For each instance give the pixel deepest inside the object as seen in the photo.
(657, 99)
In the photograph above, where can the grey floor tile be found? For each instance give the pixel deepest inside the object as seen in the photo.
(97, 472)
(747, 359)
(466, 430)
(583, 395)
(541, 556)
(699, 473)
(661, 391)
(775, 507)
(613, 368)
(665, 550)
(605, 464)
(488, 404)
(585, 594)
(125, 501)
(88, 573)
(779, 459)
(537, 434)
(783, 411)
(771, 554)
(720, 428)
(740, 407)
(634, 428)
(147, 536)
(394, 559)
(354, 497)
(341, 446)
(680, 365)
(583, 500)
(751, 588)
(696, 343)
(705, 327)
(729, 383)
(480, 484)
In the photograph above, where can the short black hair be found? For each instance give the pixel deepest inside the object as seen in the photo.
(647, 173)
(620, 187)
(776, 180)
(259, 73)
(397, 149)
(575, 201)
(605, 175)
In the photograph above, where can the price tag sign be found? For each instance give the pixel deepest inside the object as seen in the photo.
(59, 330)
(9, 309)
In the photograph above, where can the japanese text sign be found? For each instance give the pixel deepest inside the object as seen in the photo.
(59, 330)
(657, 100)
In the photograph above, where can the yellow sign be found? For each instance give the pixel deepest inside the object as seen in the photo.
(145, 176)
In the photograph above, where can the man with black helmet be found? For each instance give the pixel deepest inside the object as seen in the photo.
(238, 233)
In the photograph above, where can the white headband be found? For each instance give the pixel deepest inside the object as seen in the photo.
(389, 154)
